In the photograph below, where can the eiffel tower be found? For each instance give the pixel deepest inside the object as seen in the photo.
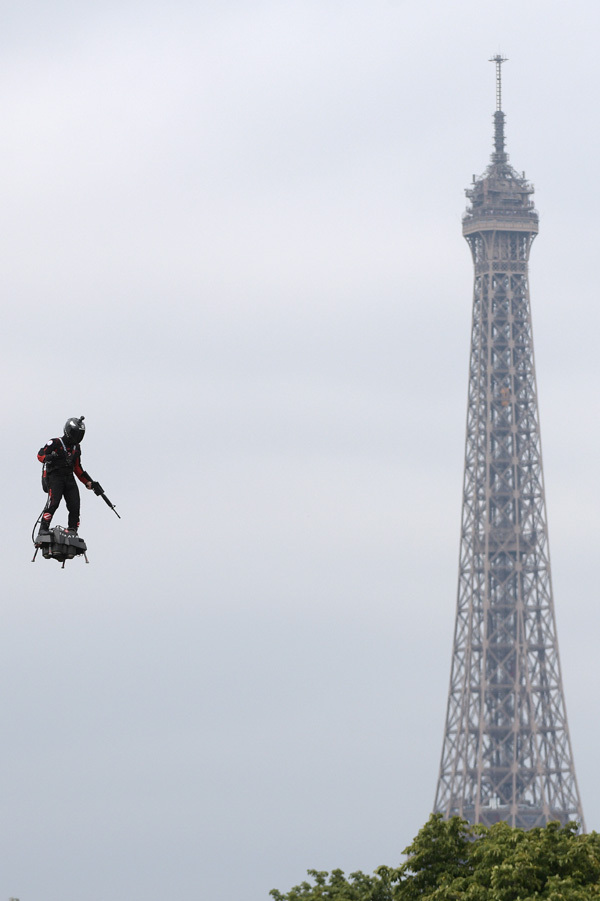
(507, 752)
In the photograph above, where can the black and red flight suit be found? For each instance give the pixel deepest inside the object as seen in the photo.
(62, 462)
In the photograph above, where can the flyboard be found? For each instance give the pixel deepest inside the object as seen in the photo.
(64, 544)
(59, 544)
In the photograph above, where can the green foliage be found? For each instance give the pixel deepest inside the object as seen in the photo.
(449, 860)
(438, 854)
(358, 887)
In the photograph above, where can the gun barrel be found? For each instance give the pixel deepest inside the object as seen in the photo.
(106, 501)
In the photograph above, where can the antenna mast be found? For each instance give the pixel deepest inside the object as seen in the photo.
(499, 155)
(498, 59)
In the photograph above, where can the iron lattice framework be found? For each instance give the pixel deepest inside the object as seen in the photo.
(506, 752)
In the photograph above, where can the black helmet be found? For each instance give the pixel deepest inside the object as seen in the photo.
(75, 429)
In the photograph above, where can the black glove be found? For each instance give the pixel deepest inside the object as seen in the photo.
(97, 488)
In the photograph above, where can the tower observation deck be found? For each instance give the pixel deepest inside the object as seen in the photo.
(507, 752)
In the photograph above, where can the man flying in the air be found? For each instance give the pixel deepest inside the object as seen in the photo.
(62, 462)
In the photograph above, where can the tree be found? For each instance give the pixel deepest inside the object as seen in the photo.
(357, 887)
(450, 860)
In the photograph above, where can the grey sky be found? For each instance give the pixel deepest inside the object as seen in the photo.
(230, 236)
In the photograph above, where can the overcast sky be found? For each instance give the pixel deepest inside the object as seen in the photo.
(231, 237)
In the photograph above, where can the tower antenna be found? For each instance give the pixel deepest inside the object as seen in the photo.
(498, 59)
